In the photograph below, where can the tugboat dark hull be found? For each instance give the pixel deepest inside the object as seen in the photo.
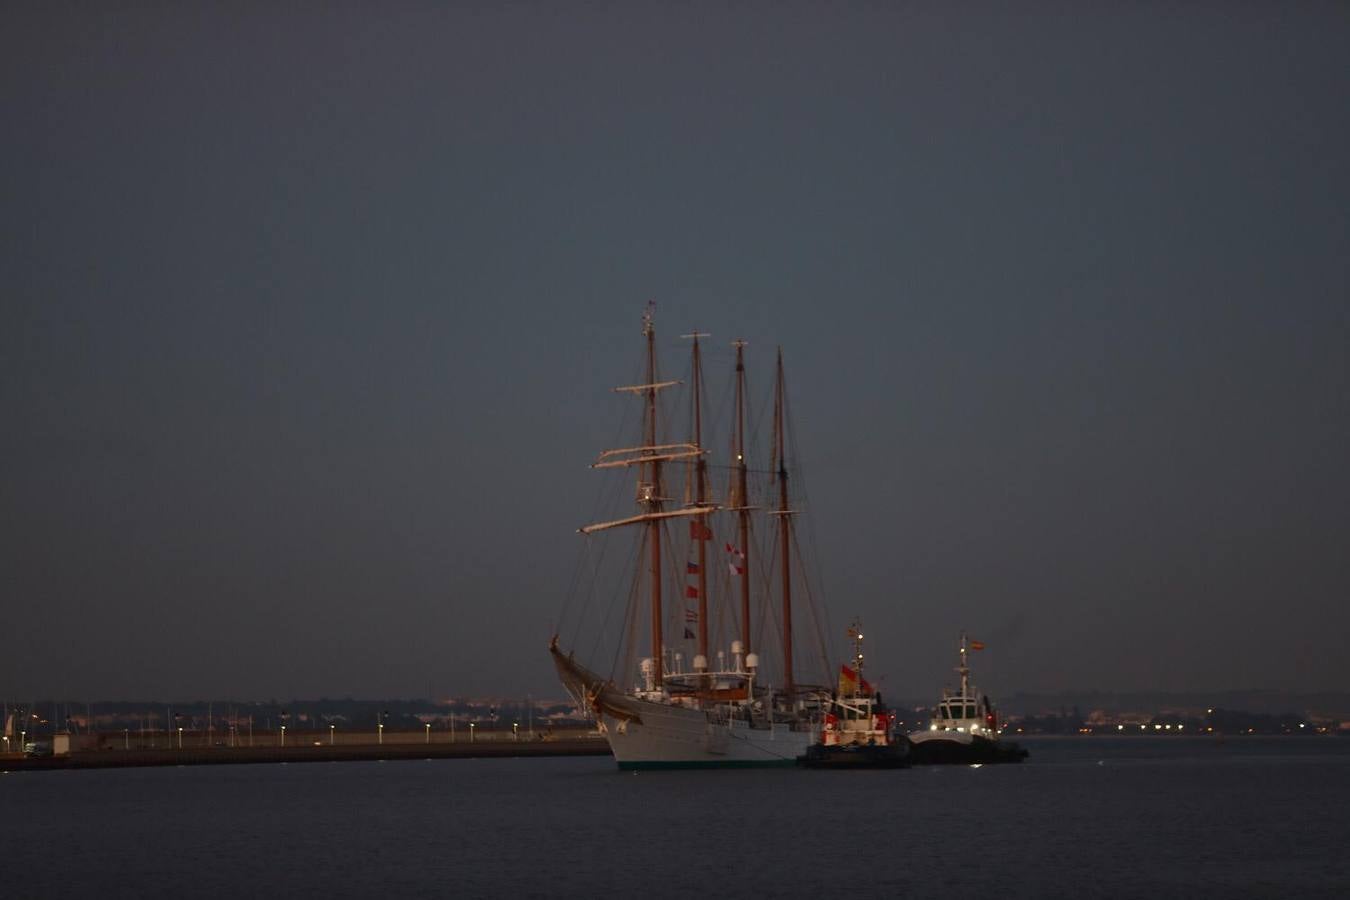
(981, 751)
(856, 756)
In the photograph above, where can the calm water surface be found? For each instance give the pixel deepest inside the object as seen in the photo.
(1084, 817)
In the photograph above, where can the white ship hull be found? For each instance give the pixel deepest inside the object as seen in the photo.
(667, 736)
(652, 734)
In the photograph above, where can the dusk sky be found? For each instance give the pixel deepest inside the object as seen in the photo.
(309, 315)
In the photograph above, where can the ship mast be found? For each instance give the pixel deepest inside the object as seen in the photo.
(648, 459)
(701, 500)
(650, 495)
(742, 503)
(784, 529)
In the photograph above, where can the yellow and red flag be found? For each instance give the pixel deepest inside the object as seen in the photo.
(848, 682)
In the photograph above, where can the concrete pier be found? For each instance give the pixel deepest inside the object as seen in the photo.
(108, 752)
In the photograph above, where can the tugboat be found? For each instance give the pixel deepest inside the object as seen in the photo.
(965, 730)
(858, 729)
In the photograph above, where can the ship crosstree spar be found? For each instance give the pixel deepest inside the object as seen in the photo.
(695, 587)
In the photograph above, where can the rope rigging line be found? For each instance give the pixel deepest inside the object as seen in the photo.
(627, 646)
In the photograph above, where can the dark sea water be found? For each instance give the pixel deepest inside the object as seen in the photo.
(1085, 817)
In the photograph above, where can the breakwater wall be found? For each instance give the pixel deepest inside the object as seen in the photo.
(316, 747)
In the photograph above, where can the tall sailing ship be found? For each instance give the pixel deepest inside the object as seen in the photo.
(721, 709)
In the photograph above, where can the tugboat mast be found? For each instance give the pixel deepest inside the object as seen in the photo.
(855, 632)
(964, 670)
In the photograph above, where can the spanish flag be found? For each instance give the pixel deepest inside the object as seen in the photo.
(848, 682)
(977, 645)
